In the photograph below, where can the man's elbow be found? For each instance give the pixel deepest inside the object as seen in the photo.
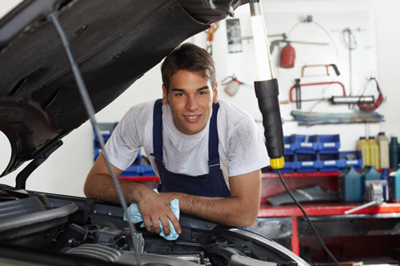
(249, 220)
(89, 187)
(87, 190)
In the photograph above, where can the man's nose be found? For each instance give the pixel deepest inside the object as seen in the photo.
(191, 104)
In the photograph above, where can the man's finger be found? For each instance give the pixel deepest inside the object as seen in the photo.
(165, 224)
(175, 223)
(147, 224)
(156, 224)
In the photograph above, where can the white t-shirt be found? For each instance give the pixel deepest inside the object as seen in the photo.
(241, 147)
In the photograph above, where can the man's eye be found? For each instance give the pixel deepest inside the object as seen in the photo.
(180, 94)
(202, 92)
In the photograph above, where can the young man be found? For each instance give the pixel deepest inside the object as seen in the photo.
(207, 153)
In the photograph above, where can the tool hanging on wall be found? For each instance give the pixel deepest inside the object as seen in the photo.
(288, 53)
(364, 102)
(371, 106)
(288, 56)
(298, 93)
(303, 68)
(340, 100)
(350, 42)
(210, 36)
(231, 84)
(298, 86)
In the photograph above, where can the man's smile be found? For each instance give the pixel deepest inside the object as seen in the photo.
(192, 118)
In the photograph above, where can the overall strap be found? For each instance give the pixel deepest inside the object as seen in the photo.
(213, 155)
(157, 131)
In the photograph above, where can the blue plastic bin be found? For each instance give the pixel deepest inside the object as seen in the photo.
(307, 162)
(328, 143)
(290, 145)
(329, 162)
(351, 158)
(305, 144)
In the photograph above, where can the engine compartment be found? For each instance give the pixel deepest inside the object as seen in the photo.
(73, 226)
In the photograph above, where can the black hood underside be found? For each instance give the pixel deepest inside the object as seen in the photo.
(113, 42)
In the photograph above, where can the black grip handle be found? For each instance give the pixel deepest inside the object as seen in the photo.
(336, 69)
(267, 94)
(298, 93)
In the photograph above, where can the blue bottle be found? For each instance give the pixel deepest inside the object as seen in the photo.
(368, 174)
(394, 153)
(350, 185)
(394, 186)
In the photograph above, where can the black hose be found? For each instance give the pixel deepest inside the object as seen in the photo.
(308, 219)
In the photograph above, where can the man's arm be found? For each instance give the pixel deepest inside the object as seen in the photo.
(239, 210)
(99, 185)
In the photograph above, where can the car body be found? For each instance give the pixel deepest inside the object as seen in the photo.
(114, 43)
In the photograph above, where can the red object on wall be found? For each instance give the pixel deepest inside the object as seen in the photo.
(288, 55)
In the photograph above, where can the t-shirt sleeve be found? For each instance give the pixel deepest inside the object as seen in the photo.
(247, 151)
(124, 144)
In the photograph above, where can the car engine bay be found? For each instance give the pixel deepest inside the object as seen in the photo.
(63, 225)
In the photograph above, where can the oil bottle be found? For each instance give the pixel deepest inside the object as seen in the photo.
(374, 152)
(394, 153)
(350, 185)
(383, 143)
(364, 148)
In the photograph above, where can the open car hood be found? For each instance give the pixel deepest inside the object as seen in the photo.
(113, 42)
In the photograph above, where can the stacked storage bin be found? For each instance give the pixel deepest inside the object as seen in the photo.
(317, 153)
(306, 153)
(138, 168)
(328, 153)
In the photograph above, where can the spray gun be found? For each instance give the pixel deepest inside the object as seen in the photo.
(266, 87)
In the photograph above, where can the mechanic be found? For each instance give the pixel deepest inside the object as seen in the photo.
(207, 153)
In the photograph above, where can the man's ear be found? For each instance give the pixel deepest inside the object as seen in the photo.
(165, 95)
(215, 90)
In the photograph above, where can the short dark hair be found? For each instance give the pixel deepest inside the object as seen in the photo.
(188, 57)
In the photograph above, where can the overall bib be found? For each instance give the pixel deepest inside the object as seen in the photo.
(208, 185)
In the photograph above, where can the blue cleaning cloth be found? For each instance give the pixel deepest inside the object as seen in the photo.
(136, 217)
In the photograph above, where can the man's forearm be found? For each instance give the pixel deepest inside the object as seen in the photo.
(229, 211)
(102, 187)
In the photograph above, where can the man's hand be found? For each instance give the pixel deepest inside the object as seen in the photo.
(154, 209)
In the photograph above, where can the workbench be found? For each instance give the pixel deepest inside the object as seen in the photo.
(337, 229)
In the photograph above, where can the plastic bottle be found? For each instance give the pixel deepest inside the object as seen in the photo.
(394, 186)
(364, 148)
(383, 143)
(374, 152)
(394, 153)
(368, 174)
(350, 185)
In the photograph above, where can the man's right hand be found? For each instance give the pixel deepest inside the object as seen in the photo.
(154, 209)
(152, 206)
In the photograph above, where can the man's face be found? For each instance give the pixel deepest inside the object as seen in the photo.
(190, 98)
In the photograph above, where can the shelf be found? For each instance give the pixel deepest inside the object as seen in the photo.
(301, 175)
(313, 209)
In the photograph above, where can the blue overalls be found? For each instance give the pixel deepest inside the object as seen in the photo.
(208, 185)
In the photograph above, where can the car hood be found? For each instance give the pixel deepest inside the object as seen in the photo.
(113, 42)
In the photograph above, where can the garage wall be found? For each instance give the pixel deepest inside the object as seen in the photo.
(66, 170)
